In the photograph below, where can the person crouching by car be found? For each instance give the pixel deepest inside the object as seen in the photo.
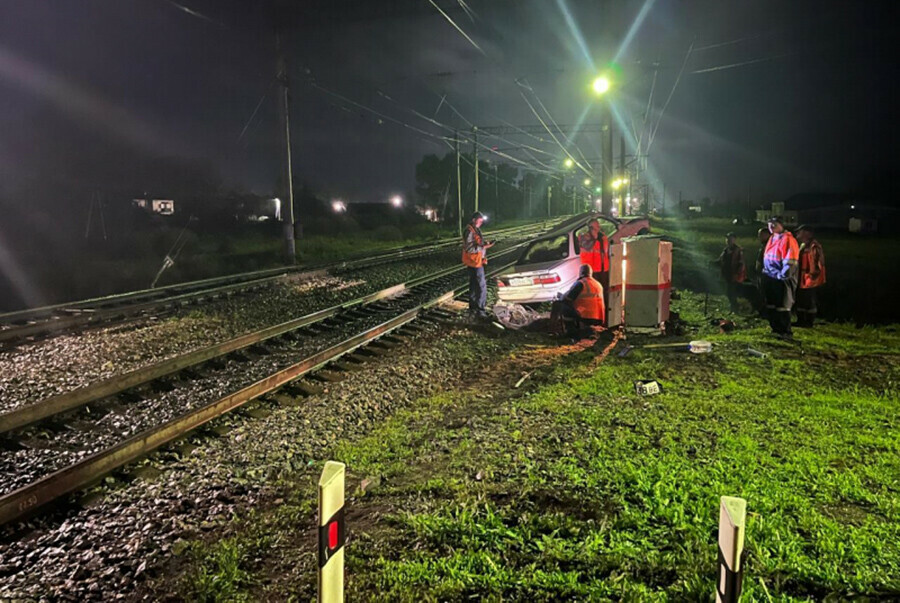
(474, 256)
(581, 306)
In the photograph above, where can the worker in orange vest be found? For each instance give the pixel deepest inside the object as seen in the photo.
(812, 276)
(581, 305)
(474, 256)
(594, 250)
(733, 270)
(780, 270)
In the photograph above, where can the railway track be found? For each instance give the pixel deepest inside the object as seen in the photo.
(62, 444)
(37, 323)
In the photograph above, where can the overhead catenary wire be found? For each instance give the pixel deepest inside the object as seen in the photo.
(466, 138)
(742, 63)
(255, 111)
(386, 117)
(569, 139)
(655, 129)
(552, 135)
(458, 28)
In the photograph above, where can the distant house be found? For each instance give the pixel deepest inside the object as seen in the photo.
(163, 207)
(839, 212)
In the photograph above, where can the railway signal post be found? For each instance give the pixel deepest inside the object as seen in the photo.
(732, 512)
(331, 533)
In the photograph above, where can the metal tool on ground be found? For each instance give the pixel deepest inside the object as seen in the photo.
(331, 533)
(698, 346)
(757, 353)
(732, 513)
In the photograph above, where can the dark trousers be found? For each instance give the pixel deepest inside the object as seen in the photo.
(806, 307)
(477, 289)
(735, 291)
(563, 311)
(778, 297)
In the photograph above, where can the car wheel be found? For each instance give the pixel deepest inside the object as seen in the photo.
(644, 231)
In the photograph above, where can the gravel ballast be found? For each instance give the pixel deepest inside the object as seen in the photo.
(39, 370)
(102, 552)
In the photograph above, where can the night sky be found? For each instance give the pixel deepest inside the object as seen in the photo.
(781, 97)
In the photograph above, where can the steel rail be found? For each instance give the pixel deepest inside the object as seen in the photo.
(65, 317)
(26, 499)
(245, 277)
(54, 405)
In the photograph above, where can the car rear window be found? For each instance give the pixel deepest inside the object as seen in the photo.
(546, 250)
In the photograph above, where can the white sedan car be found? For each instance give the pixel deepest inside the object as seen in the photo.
(550, 264)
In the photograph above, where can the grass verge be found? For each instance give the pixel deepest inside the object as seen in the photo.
(572, 487)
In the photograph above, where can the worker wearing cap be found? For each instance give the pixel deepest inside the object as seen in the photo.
(582, 304)
(474, 256)
(780, 269)
(733, 270)
(812, 276)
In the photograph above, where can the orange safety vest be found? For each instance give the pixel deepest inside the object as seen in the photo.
(475, 259)
(589, 302)
(781, 253)
(812, 265)
(594, 253)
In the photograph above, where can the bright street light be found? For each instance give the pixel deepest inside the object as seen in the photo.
(601, 85)
(338, 206)
(569, 163)
(396, 200)
(587, 181)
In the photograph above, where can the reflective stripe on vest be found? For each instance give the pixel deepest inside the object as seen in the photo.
(780, 251)
(594, 252)
(473, 259)
(589, 302)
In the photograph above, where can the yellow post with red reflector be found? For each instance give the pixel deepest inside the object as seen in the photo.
(732, 513)
(331, 533)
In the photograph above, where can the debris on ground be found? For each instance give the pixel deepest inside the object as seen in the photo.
(647, 387)
(698, 346)
(516, 316)
(725, 325)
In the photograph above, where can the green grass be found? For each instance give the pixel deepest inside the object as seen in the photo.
(584, 491)
(220, 571)
(574, 488)
(860, 268)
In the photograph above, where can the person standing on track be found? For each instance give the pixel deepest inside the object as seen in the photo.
(474, 256)
(780, 270)
(812, 276)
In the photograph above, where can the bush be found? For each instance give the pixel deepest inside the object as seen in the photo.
(387, 233)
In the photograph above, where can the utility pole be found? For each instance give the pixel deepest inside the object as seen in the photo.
(621, 174)
(549, 196)
(496, 192)
(475, 147)
(607, 160)
(458, 184)
(284, 107)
